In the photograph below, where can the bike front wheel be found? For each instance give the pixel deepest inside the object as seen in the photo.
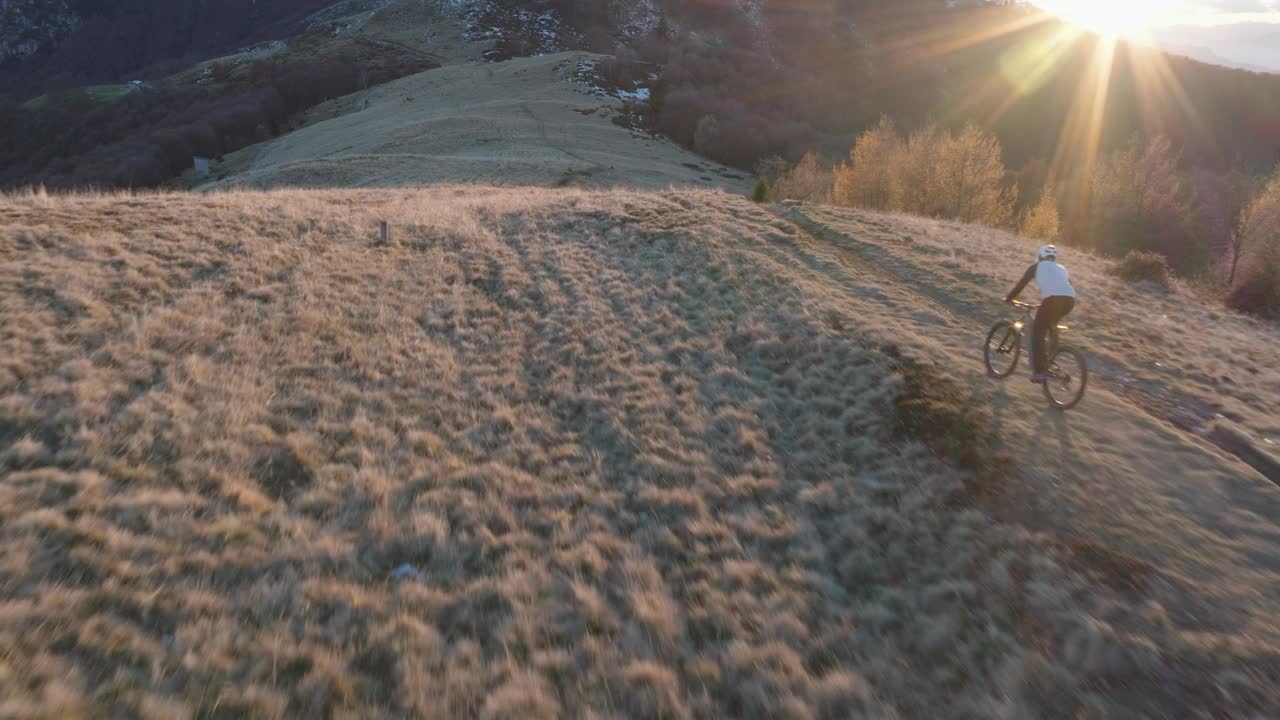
(1003, 348)
(1068, 378)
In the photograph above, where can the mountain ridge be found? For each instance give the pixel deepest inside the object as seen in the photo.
(1249, 46)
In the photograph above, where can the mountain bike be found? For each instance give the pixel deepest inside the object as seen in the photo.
(1067, 369)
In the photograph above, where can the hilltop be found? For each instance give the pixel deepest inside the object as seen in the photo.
(533, 121)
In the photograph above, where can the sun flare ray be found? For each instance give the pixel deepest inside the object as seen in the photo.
(1129, 19)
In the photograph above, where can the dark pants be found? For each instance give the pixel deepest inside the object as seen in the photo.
(1051, 312)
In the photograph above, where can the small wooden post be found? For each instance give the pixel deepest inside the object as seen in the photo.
(384, 233)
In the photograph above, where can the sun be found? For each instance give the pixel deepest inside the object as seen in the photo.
(1112, 18)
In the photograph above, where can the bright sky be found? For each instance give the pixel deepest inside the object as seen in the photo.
(1129, 15)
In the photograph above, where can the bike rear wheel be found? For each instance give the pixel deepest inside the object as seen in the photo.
(1068, 378)
(1003, 348)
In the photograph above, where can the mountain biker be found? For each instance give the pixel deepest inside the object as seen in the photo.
(1057, 300)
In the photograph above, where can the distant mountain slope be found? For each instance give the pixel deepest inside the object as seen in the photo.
(1205, 55)
(91, 41)
(1251, 46)
(739, 81)
(526, 121)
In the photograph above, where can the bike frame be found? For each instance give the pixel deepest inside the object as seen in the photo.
(1028, 321)
(1072, 375)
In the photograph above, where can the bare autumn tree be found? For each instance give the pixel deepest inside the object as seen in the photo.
(1115, 200)
(913, 173)
(970, 179)
(1168, 207)
(1221, 199)
(932, 172)
(808, 181)
(772, 168)
(1042, 221)
(1257, 289)
(1140, 198)
(705, 134)
(866, 180)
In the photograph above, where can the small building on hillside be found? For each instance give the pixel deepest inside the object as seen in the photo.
(201, 166)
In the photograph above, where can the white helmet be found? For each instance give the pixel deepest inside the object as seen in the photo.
(1049, 252)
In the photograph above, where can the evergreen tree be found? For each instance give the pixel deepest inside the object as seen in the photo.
(761, 192)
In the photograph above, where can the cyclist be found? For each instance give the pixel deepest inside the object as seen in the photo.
(1057, 300)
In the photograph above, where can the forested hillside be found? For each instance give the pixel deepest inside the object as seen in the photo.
(110, 39)
(742, 81)
(813, 74)
(79, 136)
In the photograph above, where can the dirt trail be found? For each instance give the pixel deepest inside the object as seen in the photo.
(1109, 473)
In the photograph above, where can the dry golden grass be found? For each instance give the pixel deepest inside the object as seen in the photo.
(1147, 480)
(642, 455)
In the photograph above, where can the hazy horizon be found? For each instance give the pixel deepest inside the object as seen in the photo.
(1240, 33)
(1200, 13)
(1252, 44)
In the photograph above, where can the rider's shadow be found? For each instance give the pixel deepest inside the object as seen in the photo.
(1060, 424)
(997, 395)
(999, 404)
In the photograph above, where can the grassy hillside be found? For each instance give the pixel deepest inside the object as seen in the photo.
(69, 141)
(526, 122)
(1177, 355)
(552, 453)
(1151, 469)
(99, 93)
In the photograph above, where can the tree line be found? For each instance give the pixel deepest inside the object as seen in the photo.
(1222, 228)
(812, 73)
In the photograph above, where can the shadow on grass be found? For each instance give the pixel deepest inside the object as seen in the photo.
(1055, 425)
(994, 393)
(934, 408)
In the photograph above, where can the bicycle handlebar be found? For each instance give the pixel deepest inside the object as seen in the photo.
(1027, 306)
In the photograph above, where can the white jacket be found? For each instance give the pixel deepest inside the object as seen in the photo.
(1052, 279)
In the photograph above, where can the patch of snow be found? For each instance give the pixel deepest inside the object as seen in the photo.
(589, 76)
(407, 572)
(515, 31)
(637, 95)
